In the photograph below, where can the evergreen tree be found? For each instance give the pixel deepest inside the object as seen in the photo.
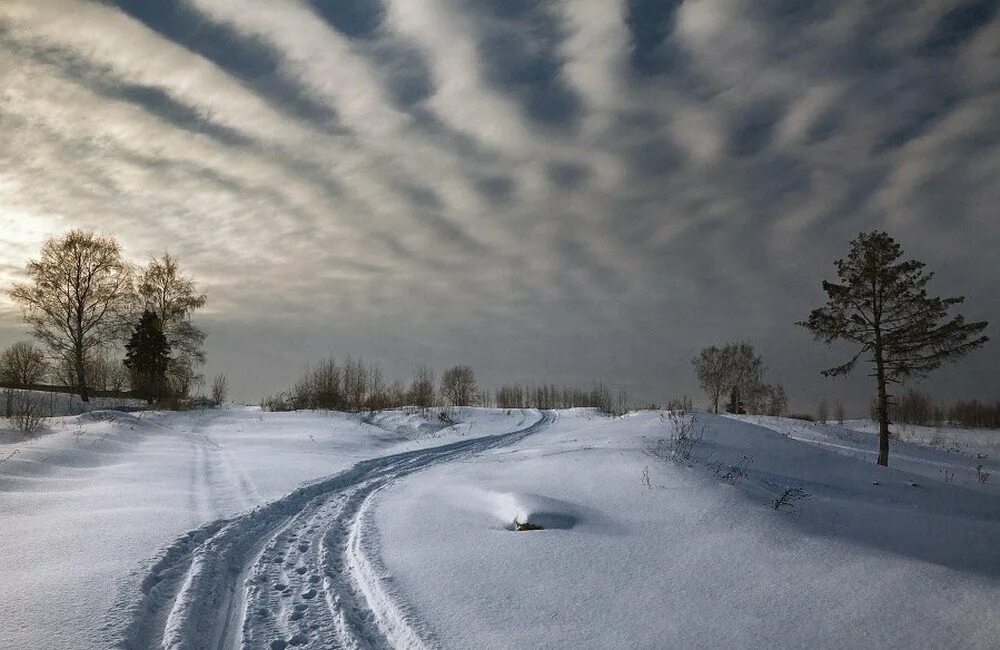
(881, 305)
(164, 289)
(735, 404)
(147, 356)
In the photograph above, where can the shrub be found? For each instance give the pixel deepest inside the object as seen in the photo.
(27, 414)
(822, 412)
(220, 389)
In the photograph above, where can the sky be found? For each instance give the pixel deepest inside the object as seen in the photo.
(548, 190)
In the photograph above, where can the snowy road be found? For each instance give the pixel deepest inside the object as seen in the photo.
(297, 572)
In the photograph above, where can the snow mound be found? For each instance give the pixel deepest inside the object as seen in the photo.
(512, 508)
(409, 424)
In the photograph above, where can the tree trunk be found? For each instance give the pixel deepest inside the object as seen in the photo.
(883, 409)
(81, 375)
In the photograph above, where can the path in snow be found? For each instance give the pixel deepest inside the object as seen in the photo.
(297, 572)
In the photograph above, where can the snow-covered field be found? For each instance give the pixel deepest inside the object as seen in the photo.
(310, 529)
(90, 502)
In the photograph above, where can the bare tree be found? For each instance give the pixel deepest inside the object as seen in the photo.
(396, 394)
(822, 412)
(220, 389)
(777, 401)
(165, 290)
(458, 386)
(23, 364)
(510, 397)
(104, 370)
(76, 297)
(735, 368)
(26, 413)
(321, 389)
(838, 412)
(378, 393)
(881, 305)
(422, 387)
(101, 368)
(746, 371)
(712, 365)
(355, 383)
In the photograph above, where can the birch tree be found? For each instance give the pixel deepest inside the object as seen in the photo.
(76, 298)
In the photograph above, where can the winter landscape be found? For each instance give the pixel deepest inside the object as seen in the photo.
(499, 324)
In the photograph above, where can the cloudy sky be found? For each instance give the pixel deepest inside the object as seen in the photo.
(548, 189)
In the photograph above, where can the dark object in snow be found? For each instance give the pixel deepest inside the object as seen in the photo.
(518, 526)
(912, 484)
(787, 500)
(874, 482)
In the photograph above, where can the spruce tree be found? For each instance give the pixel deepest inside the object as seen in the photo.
(147, 356)
(881, 305)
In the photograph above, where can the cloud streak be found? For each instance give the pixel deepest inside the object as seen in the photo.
(604, 186)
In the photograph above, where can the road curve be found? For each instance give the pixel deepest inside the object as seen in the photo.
(299, 572)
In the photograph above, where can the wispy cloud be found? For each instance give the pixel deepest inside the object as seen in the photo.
(605, 185)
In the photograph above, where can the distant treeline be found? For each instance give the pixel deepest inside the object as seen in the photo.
(549, 396)
(356, 385)
(914, 407)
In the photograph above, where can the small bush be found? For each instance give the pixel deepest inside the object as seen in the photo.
(28, 414)
(277, 403)
(220, 389)
(822, 412)
(733, 474)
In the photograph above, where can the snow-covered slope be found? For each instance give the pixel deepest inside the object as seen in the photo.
(969, 457)
(642, 552)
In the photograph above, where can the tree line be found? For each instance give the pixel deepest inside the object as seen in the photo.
(102, 324)
(915, 407)
(357, 385)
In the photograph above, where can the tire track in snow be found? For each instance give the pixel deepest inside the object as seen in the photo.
(299, 572)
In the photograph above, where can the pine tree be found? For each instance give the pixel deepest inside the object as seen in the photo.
(735, 404)
(147, 356)
(881, 304)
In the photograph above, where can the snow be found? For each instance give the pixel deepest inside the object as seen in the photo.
(87, 504)
(957, 455)
(309, 529)
(689, 560)
(55, 404)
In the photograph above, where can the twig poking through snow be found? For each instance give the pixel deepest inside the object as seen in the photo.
(787, 500)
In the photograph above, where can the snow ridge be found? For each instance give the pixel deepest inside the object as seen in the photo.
(301, 571)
